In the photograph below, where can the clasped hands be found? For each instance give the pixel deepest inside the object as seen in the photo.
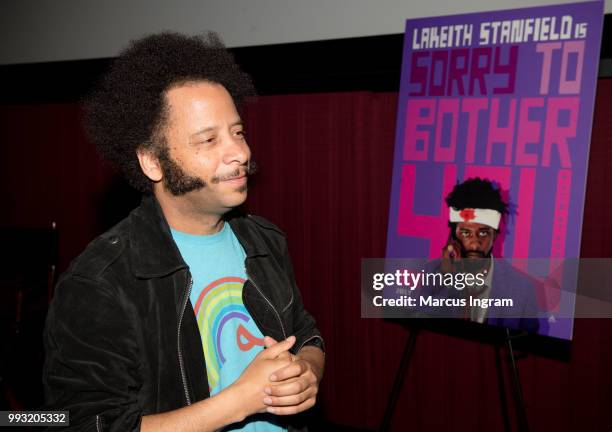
(279, 382)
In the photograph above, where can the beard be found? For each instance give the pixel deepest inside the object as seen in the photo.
(178, 182)
(475, 254)
(475, 265)
(476, 261)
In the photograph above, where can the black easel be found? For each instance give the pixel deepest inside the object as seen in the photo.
(517, 392)
(399, 379)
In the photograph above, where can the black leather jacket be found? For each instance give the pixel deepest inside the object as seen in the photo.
(121, 337)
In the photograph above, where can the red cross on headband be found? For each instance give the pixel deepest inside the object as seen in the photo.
(487, 217)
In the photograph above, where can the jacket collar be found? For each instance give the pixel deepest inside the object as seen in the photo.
(155, 254)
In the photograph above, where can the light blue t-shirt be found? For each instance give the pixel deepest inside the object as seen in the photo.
(230, 337)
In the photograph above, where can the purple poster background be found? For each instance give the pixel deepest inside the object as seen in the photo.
(507, 96)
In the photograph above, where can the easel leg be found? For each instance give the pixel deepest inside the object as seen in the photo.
(499, 366)
(517, 391)
(399, 380)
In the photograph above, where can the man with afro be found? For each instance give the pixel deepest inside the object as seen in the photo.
(476, 209)
(186, 315)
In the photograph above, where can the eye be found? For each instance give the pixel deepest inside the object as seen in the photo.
(241, 133)
(464, 234)
(209, 140)
(483, 234)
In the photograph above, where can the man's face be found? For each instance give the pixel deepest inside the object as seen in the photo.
(476, 239)
(206, 157)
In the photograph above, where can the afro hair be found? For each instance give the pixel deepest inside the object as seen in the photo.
(477, 193)
(126, 110)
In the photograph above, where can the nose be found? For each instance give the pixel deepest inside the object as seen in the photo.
(473, 244)
(237, 151)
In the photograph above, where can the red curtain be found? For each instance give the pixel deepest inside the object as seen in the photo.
(325, 163)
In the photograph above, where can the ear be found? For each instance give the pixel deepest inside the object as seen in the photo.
(149, 165)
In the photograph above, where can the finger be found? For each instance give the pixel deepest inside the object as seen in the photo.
(290, 410)
(291, 400)
(269, 341)
(295, 369)
(292, 387)
(285, 355)
(278, 348)
(456, 250)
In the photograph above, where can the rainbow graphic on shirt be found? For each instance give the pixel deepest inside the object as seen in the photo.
(220, 306)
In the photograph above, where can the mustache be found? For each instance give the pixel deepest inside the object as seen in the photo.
(247, 170)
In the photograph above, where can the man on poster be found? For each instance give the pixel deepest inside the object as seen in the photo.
(186, 315)
(476, 209)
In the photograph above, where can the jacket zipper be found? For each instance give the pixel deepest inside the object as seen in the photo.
(269, 302)
(178, 342)
(98, 423)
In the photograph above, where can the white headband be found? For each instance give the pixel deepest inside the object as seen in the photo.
(487, 217)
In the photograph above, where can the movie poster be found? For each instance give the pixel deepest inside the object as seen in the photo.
(506, 96)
